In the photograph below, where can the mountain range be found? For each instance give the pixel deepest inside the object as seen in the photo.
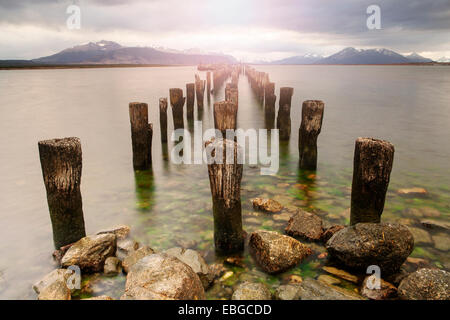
(109, 52)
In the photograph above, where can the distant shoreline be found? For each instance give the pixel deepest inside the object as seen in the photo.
(93, 66)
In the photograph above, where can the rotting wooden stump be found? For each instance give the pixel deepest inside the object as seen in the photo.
(199, 91)
(163, 118)
(61, 162)
(208, 83)
(225, 182)
(177, 102)
(232, 94)
(225, 116)
(141, 135)
(269, 111)
(284, 113)
(190, 97)
(372, 167)
(312, 116)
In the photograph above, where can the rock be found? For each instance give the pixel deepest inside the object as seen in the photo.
(288, 292)
(99, 298)
(90, 253)
(236, 261)
(162, 277)
(421, 237)
(412, 192)
(217, 270)
(328, 279)
(311, 289)
(341, 274)
(125, 247)
(267, 205)
(441, 241)
(293, 278)
(276, 253)
(305, 225)
(112, 266)
(329, 232)
(426, 284)
(430, 212)
(54, 285)
(251, 291)
(58, 254)
(135, 256)
(435, 224)
(227, 275)
(193, 259)
(121, 232)
(383, 244)
(281, 217)
(385, 291)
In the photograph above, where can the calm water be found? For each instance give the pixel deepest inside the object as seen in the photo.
(409, 106)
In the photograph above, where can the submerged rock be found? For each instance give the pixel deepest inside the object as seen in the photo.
(288, 292)
(135, 256)
(441, 241)
(54, 285)
(385, 291)
(412, 192)
(305, 225)
(435, 224)
(251, 291)
(341, 274)
(328, 279)
(267, 205)
(421, 237)
(364, 244)
(121, 232)
(425, 284)
(275, 252)
(90, 253)
(112, 266)
(162, 277)
(311, 289)
(193, 259)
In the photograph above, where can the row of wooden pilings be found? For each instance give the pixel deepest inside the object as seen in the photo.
(61, 162)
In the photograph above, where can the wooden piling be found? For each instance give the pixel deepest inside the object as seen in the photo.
(225, 116)
(190, 97)
(284, 113)
(225, 182)
(372, 167)
(208, 82)
(269, 111)
(61, 163)
(312, 116)
(177, 102)
(163, 118)
(141, 135)
(199, 91)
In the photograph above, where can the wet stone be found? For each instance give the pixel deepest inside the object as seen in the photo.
(305, 225)
(112, 266)
(287, 292)
(425, 284)
(135, 256)
(121, 232)
(267, 205)
(251, 291)
(370, 290)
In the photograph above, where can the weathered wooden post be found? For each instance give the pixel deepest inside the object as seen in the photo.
(269, 110)
(208, 82)
(232, 94)
(141, 136)
(284, 113)
(61, 162)
(312, 115)
(225, 182)
(225, 116)
(269, 90)
(199, 90)
(372, 165)
(163, 118)
(190, 96)
(177, 102)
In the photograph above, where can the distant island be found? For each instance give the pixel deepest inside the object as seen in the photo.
(111, 54)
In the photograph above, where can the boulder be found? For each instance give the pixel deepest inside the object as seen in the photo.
(267, 205)
(162, 277)
(121, 232)
(364, 244)
(135, 256)
(305, 225)
(311, 289)
(251, 291)
(275, 252)
(288, 292)
(425, 284)
(125, 247)
(329, 232)
(112, 266)
(90, 253)
(194, 260)
(54, 285)
(385, 291)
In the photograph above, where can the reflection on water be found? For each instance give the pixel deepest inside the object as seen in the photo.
(171, 205)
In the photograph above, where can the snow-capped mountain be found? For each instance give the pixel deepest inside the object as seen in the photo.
(416, 58)
(364, 56)
(302, 59)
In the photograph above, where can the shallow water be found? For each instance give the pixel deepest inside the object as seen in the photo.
(407, 105)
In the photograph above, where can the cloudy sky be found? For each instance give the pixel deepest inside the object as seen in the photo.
(248, 29)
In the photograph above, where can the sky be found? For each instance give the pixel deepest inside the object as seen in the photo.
(250, 30)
